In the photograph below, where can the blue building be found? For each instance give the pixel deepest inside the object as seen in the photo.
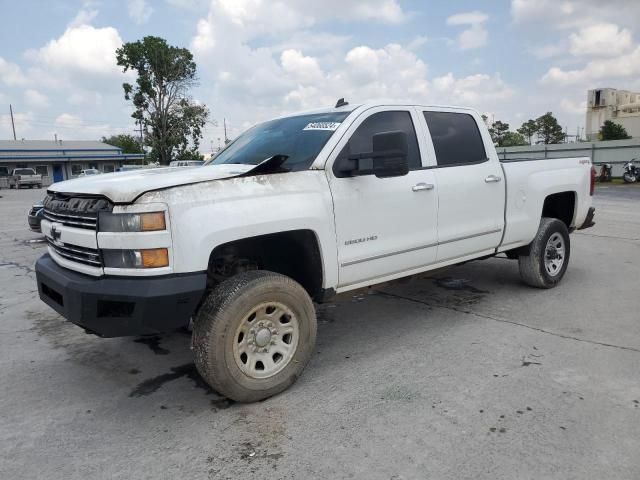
(61, 160)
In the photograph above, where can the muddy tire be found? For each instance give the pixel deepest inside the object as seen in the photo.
(547, 258)
(253, 335)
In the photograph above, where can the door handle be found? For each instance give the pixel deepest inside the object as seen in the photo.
(422, 186)
(492, 179)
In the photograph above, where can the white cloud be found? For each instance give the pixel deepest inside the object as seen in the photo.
(573, 107)
(35, 99)
(548, 51)
(467, 18)
(71, 126)
(626, 66)
(602, 39)
(474, 90)
(417, 42)
(301, 68)
(189, 4)
(84, 17)
(11, 74)
(22, 123)
(537, 10)
(139, 11)
(252, 18)
(83, 48)
(476, 35)
(574, 13)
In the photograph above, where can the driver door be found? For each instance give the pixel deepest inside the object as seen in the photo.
(386, 227)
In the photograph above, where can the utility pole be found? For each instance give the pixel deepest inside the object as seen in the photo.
(13, 125)
(226, 140)
(141, 139)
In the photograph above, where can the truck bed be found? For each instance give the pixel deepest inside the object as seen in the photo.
(529, 181)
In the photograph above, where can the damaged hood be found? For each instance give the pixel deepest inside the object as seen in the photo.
(125, 187)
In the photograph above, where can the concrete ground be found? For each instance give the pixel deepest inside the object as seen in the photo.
(468, 374)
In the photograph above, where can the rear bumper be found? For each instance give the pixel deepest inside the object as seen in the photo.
(588, 221)
(120, 306)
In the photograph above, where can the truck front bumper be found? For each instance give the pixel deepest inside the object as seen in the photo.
(120, 306)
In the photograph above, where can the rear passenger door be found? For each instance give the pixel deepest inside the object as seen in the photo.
(470, 185)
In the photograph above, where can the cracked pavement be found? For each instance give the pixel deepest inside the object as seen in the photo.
(462, 374)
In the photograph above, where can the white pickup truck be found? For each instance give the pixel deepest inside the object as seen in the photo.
(25, 177)
(295, 210)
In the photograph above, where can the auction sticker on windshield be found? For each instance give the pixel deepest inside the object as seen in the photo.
(331, 126)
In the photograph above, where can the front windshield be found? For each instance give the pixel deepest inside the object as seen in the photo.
(300, 138)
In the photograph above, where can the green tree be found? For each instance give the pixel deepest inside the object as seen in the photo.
(613, 131)
(548, 129)
(513, 139)
(528, 130)
(127, 143)
(172, 121)
(498, 130)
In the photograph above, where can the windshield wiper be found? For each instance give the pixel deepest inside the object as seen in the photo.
(272, 164)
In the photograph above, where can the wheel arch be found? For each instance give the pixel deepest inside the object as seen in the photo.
(294, 253)
(561, 205)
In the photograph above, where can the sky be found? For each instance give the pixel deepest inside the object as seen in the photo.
(512, 60)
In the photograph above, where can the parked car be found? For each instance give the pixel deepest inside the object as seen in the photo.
(25, 177)
(35, 216)
(298, 209)
(89, 171)
(186, 163)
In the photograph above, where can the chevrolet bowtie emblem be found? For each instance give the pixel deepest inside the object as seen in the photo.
(55, 234)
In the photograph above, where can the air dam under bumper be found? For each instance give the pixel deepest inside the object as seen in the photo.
(120, 306)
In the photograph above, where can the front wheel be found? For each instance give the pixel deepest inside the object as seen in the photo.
(253, 335)
(629, 177)
(548, 255)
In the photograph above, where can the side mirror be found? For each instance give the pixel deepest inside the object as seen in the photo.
(390, 154)
(389, 157)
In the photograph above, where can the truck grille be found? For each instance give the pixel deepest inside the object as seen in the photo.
(79, 221)
(87, 256)
(74, 211)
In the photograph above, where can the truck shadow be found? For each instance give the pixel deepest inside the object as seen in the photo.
(411, 306)
(352, 325)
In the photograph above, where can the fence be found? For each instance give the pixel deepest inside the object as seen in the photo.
(616, 152)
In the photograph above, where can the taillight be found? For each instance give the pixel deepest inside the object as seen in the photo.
(592, 187)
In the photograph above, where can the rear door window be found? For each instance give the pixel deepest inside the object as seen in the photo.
(456, 138)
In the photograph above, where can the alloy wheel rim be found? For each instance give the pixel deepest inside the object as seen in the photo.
(266, 340)
(554, 254)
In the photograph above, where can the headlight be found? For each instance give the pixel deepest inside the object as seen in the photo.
(132, 222)
(150, 258)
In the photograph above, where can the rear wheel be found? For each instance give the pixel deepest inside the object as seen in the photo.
(253, 335)
(546, 261)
